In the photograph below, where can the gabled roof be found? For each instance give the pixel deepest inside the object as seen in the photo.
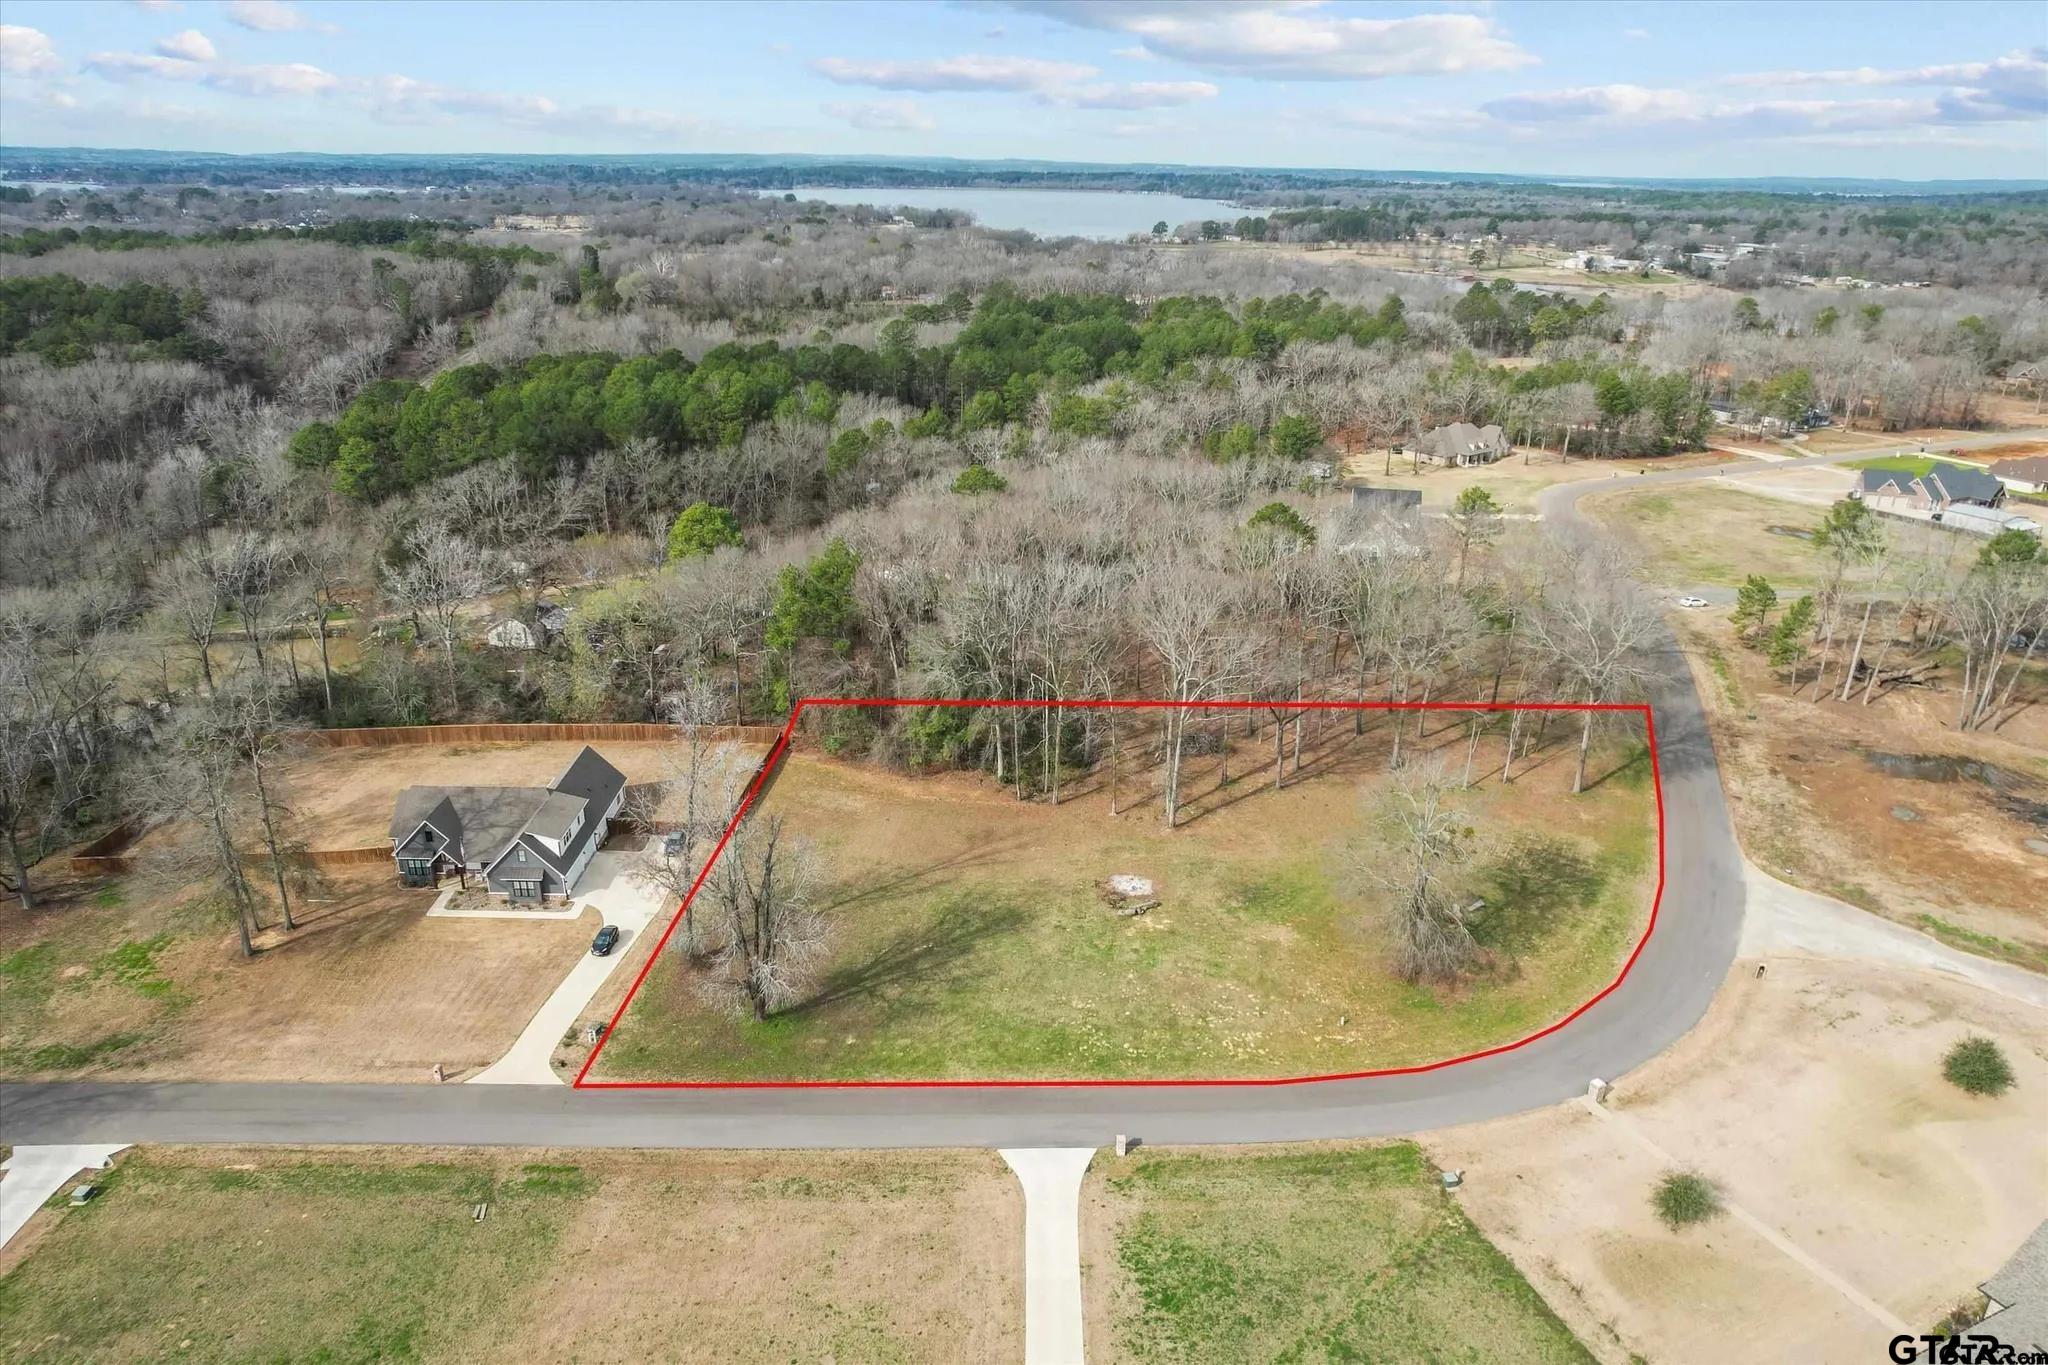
(1877, 480)
(588, 780)
(1959, 482)
(484, 819)
(2033, 469)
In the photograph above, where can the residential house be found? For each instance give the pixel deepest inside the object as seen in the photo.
(1462, 443)
(2023, 476)
(1937, 490)
(522, 843)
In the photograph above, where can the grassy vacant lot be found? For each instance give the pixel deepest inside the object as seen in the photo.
(276, 1255)
(1701, 536)
(972, 941)
(1515, 483)
(1299, 1254)
(139, 982)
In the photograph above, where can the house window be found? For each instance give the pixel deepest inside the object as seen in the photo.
(416, 867)
(520, 854)
(524, 891)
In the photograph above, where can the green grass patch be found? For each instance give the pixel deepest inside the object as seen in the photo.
(1915, 465)
(1707, 536)
(1683, 1198)
(313, 1262)
(2030, 955)
(94, 983)
(1338, 1255)
(1254, 964)
(1977, 1065)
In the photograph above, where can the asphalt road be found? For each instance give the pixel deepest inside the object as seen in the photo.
(1669, 989)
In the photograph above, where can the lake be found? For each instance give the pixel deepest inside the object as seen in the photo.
(1111, 214)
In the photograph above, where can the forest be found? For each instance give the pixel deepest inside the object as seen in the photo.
(765, 449)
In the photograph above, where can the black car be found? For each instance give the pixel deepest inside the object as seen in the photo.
(606, 940)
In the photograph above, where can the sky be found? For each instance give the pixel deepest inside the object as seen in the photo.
(1952, 89)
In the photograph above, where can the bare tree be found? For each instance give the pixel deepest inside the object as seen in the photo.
(772, 939)
(1185, 613)
(441, 574)
(1419, 862)
(702, 784)
(1592, 628)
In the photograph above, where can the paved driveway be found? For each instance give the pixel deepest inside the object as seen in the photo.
(610, 890)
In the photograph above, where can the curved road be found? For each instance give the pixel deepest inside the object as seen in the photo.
(1683, 965)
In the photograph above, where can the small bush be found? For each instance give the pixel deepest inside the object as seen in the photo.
(979, 478)
(1976, 1065)
(1684, 1198)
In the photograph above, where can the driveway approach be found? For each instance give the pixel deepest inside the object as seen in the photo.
(1698, 930)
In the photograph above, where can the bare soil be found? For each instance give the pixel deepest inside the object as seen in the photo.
(1814, 1099)
(368, 989)
(344, 796)
(1945, 852)
(1514, 482)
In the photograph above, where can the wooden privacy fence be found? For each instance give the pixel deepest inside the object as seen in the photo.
(388, 736)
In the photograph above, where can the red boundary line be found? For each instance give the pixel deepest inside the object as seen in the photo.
(780, 750)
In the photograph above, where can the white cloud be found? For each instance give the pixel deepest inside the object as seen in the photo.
(884, 116)
(1136, 95)
(1296, 39)
(190, 46)
(287, 78)
(1636, 35)
(1594, 102)
(120, 66)
(1063, 83)
(274, 16)
(971, 72)
(159, 6)
(27, 51)
(2012, 86)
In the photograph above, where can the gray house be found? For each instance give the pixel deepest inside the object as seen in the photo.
(1942, 487)
(525, 843)
(1461, 443)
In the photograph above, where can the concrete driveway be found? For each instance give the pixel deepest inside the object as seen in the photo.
(610, 890)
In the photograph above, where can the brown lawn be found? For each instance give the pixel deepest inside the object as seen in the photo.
(1814, 1098)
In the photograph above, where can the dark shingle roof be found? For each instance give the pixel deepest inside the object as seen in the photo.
(482, 823)
(1961, 483)
(486, 818)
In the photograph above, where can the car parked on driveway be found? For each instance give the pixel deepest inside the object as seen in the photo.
(606, 940)
(1695, 603)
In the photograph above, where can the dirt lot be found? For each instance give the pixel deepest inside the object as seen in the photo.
(1925, 842)
(593, 1256)
(954, 904)
(1710, 536)
(1514, 482)
(137, 985)
(1814, 1098)
(344, 796)
(1324, 1252)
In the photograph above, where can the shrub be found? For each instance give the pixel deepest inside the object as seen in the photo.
(979, 478)
(1684, 1198)
(1976, 1065)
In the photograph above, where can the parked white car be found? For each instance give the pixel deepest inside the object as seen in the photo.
(1693, 603)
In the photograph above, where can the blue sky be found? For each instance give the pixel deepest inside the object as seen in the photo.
(1908, 90)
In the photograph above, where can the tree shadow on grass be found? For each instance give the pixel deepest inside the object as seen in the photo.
(1530, 888)
(903, 881)
(923, 958)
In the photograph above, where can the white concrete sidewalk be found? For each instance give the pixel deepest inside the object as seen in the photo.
(1051, 1177)
(32, 1174)
(1783, 919)
(619, 899)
